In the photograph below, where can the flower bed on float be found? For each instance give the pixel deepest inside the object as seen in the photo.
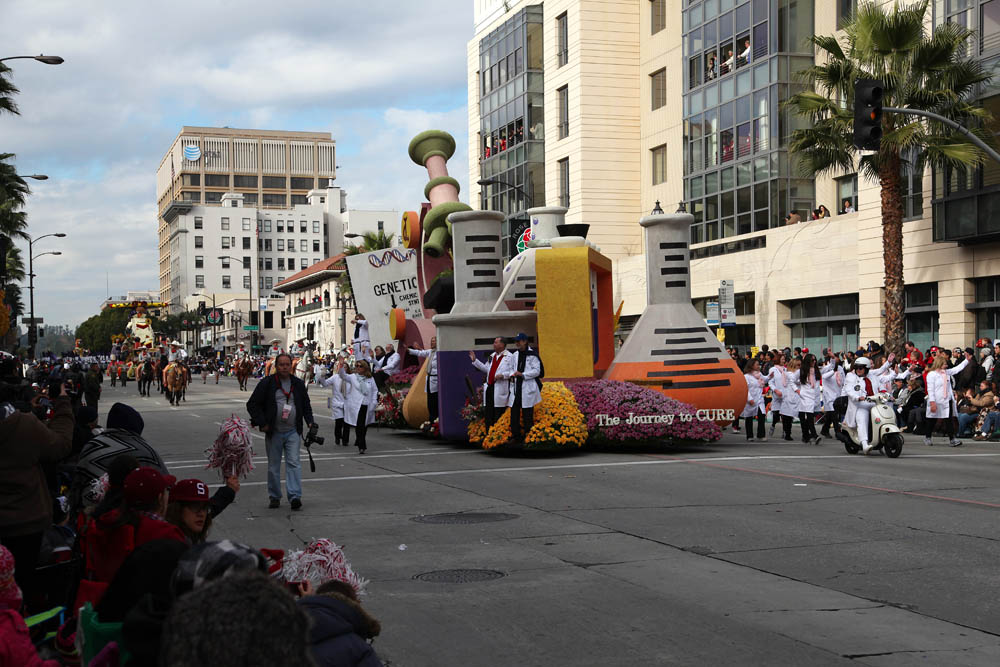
(559, 424)
(389, 410)
(604, 401)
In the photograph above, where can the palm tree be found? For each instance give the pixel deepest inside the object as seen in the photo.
(931, 72)
(369, 241)
(13, 193)
(7, 92)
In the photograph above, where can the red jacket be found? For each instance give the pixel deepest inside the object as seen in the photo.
(106, 545)
(16, 649)
(914, 357)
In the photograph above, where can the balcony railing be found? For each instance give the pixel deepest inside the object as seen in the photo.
(309, 307)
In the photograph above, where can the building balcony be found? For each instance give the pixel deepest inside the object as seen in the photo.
(309, 307)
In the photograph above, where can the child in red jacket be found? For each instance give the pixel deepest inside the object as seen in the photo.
(16, 649)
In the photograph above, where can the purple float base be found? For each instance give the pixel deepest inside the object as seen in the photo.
(453, 368)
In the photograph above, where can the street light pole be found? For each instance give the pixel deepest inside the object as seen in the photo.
(32, 329)
(213, 308)
(253, 337)
(37, 177)
(48, 60)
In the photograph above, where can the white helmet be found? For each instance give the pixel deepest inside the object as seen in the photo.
(863, 361)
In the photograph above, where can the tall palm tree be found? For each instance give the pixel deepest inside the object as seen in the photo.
(7, 92)
(919, 70)
(13, 193)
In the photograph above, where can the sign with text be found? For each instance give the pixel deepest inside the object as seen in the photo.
(712, 314)
(727, 303)
(383, 280)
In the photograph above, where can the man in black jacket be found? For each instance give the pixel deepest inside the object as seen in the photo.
(279, 406)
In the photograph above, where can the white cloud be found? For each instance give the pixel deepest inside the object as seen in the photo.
(373, 73)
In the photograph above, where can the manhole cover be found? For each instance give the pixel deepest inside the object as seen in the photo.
(464, 517)
(459, 576)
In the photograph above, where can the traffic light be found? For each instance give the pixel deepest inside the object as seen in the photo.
(201, 308)
(41, 332)
(868, 114)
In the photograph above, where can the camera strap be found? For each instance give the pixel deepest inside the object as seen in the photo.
(312, 464)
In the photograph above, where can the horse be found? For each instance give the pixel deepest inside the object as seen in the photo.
(174, 381)
(304, 366)
(243, 368)
(146, 374)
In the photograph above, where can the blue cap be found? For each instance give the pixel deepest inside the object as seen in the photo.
(521, 336)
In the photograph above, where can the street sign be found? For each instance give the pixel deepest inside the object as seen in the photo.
(712, 314)
(214, 316)
(263, 303)
(251, 327)
(727, 303)
(29, 321)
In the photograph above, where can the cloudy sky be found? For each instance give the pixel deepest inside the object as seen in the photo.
(372, 73)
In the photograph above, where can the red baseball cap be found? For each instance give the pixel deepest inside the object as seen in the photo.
(144, 485)
(190, 491)
(805, 350)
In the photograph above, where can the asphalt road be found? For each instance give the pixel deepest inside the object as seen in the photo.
(770, 553)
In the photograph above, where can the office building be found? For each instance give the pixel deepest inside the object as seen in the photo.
(363, 221)
(681, 101)
(273, 172)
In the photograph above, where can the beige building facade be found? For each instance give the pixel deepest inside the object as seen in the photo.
(270, 169)
(663, 102)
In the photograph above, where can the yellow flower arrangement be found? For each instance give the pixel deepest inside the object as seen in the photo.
(477, 431)
(559, 424)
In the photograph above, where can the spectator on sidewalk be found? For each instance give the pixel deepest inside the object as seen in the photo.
(340, 627)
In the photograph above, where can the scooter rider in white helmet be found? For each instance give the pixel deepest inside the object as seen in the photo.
(859, 389)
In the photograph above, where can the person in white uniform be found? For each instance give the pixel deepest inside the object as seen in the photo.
(790, 397)
(833, 384)
(338, 390)
(361, 337)
(754, 408)
(774, 381)
(389, 367)
(810, 384)
(941, 398)
(496, 387)
(527, 390)
(361, 396)
(431, 384)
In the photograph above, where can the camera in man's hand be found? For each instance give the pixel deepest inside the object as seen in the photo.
(311, 436)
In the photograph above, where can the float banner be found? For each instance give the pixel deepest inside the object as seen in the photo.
(383, 280)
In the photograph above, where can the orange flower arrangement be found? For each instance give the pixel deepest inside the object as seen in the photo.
(559, 424)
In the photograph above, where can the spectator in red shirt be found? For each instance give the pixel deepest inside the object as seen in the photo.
(913, 354)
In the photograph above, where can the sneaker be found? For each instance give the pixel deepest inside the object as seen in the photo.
(927, 440)
(274, 504)
(761, 439)
(296, 504)
(788, 438)
(817, 440)
(955, 442)
(979, 436)
(865, 448)
(736, 429)
(770, 433)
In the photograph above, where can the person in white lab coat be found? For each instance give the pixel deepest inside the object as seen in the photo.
(431, 384)
(496, 387)
(388, 367)
(338, 390)
(833, 384)
(774, 381)
(859, 389)
(360, 400)
(361, 338)
(754, 408)
(810, 385)
(527, 390)
(790, 397)
(941, 398)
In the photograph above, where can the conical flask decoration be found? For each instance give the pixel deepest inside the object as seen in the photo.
(671, 349)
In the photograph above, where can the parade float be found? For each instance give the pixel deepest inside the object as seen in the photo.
(672, 379)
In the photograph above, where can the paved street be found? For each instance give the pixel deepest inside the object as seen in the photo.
(774, 553)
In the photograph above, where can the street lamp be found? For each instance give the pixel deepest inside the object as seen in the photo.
(33, 330)
(342, 305)
(48, 60)
(253, 334)
(37, 177)
(657, 210)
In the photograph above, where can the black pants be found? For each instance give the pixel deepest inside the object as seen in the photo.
(360, 429)
(808, 425)
(341, 431)
(528, 415)
(786, 427)
(432, 405)
(945, 424)
(92, 400)
(761, 421)
(380, 377)
(24, 549)
(492, 412)
(830, 419)
(775, 417)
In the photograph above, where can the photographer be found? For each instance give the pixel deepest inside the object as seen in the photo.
(25, 502)
(278, 406)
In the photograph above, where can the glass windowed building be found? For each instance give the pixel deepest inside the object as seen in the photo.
(680, 102)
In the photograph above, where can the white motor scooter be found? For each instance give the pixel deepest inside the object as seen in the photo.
(885, 435)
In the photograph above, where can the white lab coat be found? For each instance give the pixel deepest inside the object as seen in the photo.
(833, 384)
(359, 391)
(432, 369)
(774, 376)
(501, 384)
(755, 397)
(390, 363)
(531, 394)
(809, 394)
(940, 391)
(362, 340)
(789, 386)
(336, 402)
(854, 389)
